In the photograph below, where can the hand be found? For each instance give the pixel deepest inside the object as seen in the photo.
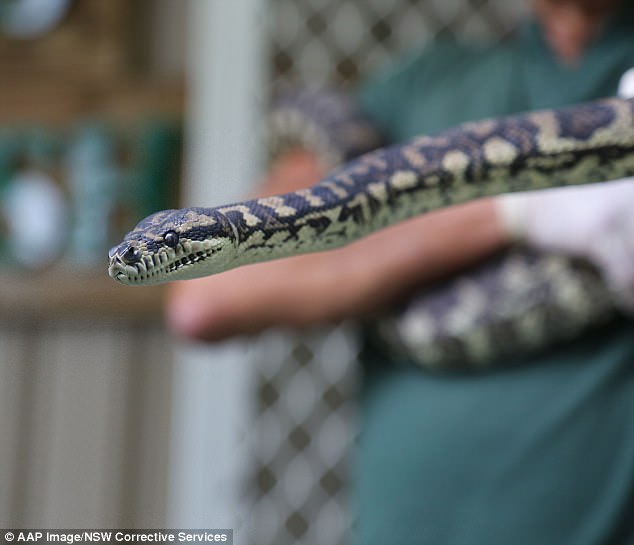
(595, 222)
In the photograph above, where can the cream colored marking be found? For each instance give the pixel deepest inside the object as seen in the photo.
(548, 130)
(473, 304)
(194, 218)
(335, 188)
(375, 161)
(250, 219)
(413, 155)
(418, 327)
(404, 179)
(425, 140)
(499, 151)
(364, 165)
(455, 161)
(378, 190)
(152, 236)
(277, 204)
(481, 128)
(310, 197)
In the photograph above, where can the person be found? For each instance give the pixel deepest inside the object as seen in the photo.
(537, 451)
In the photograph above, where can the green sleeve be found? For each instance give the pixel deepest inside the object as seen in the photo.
(385, 97)
(437, 87)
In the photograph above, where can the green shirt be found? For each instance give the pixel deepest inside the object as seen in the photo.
(541, 452)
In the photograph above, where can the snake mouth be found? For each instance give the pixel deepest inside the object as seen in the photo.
(127, 274)
(163, 266)
(150, 270)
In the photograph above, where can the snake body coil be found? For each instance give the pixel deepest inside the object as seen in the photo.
(581, 144)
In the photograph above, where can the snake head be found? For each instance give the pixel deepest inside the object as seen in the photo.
(174, 245)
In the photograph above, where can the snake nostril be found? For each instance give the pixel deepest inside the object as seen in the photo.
(131, 255)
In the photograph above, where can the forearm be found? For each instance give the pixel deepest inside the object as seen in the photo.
(433, 246)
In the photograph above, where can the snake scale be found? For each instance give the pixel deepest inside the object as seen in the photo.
(586, 143)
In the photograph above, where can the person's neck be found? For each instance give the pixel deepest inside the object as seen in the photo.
(570, 29)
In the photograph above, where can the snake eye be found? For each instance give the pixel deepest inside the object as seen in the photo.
(171, 239)
(131, 255)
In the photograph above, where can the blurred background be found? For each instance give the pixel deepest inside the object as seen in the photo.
(110, 110)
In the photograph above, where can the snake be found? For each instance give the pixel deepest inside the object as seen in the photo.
(515, 304)
(580, 144)
(586, 143)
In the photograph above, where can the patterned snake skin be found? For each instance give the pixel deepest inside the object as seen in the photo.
(518, 303)
(581, 144)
